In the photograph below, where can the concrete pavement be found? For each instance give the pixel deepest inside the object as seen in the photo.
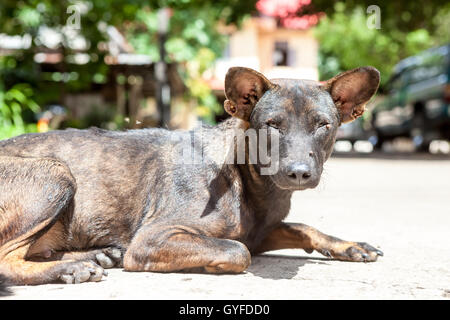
(400, 205)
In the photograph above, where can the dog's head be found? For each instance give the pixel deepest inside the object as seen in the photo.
(305, 114)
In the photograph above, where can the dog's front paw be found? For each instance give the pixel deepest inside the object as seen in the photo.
(351, 251)
(109, 257)
(81, 271)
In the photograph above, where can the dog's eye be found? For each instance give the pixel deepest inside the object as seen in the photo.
(272, 123)
(324, 125)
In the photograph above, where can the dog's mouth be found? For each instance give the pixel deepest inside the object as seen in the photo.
(286, 184)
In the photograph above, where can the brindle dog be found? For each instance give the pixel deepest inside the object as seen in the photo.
(75, 202)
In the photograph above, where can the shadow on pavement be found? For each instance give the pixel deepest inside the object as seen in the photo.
(277, 267)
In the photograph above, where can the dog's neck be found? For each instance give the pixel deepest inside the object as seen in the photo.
(260, 191)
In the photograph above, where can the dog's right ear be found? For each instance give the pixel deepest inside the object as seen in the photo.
(243, 88)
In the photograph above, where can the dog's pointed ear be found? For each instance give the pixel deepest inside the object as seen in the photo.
(351, 90)
(243, 88)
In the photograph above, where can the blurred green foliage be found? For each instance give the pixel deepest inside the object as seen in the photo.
(406, 28)
(193, 42)
(13, 104)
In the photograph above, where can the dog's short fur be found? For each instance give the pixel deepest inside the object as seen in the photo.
(75, 202)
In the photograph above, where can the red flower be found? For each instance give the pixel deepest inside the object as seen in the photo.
(287, 11)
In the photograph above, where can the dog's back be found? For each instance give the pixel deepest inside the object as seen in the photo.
(128, 172)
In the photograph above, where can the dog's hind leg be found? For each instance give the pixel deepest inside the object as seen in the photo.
(301, 236)
(33, 195)
(176, 248)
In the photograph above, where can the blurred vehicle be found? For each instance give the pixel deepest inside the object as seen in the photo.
(352, 131)
(355, 136)
(417, 103)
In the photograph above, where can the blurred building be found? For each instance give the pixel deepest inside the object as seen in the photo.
(276, 42)
(129, 86)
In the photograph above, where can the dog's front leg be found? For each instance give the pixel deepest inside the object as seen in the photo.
(301, 236)
(175, 248)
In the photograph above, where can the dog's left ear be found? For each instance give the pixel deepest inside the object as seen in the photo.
(243, 88)
(351, 90)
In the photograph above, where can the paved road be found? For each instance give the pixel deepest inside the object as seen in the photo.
(398, 204)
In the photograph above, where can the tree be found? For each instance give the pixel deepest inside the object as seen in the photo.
(400, 15)
(193, 43)
(407, 27)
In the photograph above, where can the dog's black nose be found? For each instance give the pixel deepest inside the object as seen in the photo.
(299, 173)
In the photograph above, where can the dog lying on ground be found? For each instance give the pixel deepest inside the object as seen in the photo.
(75, 202)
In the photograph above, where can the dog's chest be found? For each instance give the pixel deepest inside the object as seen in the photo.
(265, 212)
